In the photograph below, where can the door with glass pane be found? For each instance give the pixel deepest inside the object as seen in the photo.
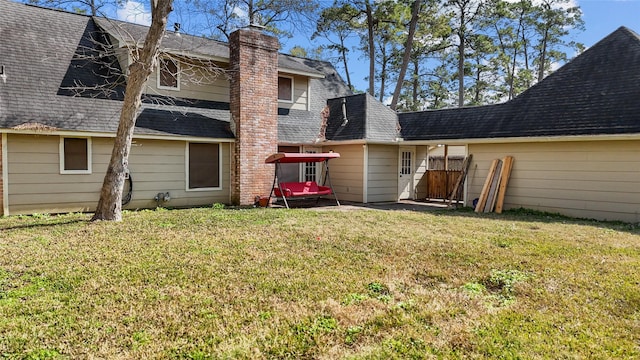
(405, 172)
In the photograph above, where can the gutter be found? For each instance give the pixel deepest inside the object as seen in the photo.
(528, 139)
(113, 135)
(360, 142)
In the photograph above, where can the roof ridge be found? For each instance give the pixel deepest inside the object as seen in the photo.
(53, 9)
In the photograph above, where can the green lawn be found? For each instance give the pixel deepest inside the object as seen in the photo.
(276, 283)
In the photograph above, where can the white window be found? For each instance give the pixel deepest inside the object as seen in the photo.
(405, 166)
(75, 155)
(168, 74)
(285, 89)
(204, 166)
(311, 168)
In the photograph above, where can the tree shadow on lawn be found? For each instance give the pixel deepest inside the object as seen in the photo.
(43, 225)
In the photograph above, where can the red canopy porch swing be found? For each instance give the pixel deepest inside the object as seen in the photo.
(303, 188)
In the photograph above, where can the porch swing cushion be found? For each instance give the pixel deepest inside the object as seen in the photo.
(306, 188)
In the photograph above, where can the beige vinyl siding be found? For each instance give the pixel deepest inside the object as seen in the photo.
(382, 173)
(588, 179)
(347, 172)
(36, 185)
(300, 93)
(419, 179)
(195, 83)
(159, 166)
(35, 182)
(452, 150)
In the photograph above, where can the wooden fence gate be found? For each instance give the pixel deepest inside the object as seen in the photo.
(440, 183)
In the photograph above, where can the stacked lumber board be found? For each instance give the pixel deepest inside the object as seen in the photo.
(495, 186)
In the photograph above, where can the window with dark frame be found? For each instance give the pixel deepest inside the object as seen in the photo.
(204, 165)
(285, 88)
(76, 154)
(168, 77)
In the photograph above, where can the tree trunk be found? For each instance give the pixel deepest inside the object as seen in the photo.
(543, 55)
(407, 53)
(372, 50)
(476, 94)
(93, 7)
(512, 71)
(343, 51)
(416, 86)
(144, 60)
(461, 70)
(383, 73)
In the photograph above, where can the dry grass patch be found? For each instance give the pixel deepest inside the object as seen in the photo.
(271, 283)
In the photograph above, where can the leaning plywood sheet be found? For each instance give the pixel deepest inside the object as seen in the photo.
(493, 189)
(482, 200)
(507, 165)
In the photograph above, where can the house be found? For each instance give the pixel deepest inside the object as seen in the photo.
(212, 112)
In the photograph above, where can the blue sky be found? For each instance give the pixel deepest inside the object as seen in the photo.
(602, 17)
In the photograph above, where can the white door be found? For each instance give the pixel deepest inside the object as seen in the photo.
(405, 170)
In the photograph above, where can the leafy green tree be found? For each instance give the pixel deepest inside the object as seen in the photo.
(507, 23)
(338, 24)
(440, 86)
(432, 35)
(299, 51)
(556, 18)
(408, 47)
(465, 22)
(528, 35)
(485, 75)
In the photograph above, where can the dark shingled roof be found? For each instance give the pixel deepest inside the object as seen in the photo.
(594, 94)
(366, 118)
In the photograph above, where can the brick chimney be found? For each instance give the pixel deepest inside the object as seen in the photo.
(253, 63)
